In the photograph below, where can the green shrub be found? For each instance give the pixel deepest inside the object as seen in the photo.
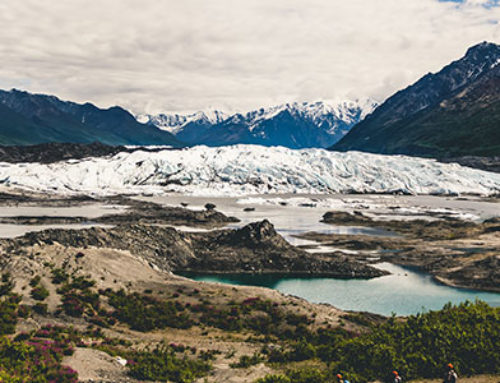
(146, 313)
(35, 361)
(162, 365)
(247, 361)
(59, 276)
(309, 375)
(8, 314)
(35, 281)
(40, 308)
(9, 303)
(7, 285)
(274, 379)
(468, 335)
(39, 293)
(77, 297)
(303, 350)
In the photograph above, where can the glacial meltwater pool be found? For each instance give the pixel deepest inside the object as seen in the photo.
(403, 292)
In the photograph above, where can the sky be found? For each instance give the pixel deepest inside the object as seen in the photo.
(234, 55)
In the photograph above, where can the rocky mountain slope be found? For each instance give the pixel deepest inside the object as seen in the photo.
(296, 125)
(455, 112)
(53, 152)
(255, 248)
(27, 119)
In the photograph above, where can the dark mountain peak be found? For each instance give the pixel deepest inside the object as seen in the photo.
(15, 90)
(423, 119)
(27, 118)
(483, 49)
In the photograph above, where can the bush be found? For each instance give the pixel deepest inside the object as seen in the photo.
(146, 313)
(35, 361)
(247, 361)
(274, 379)
(59, 276)
(309, 375)
(9, 303)
(7, 285)
(40, 308)
(8, 314)
(162, 365)
(35, 281)
(468, 335)
(39, 293)
(78, 298)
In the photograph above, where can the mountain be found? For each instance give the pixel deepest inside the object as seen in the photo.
(186, 128)
(297, 125)
(28, 119)
(455, 112)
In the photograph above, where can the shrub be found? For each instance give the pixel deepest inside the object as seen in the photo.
(40, 308)
(35, 281)
(78, 298)
(162, 365)
(274, 379)
(59, 276)
(7, 285)
(467, 335)
(146, 313)
(8, 314)
(39, 293)
(35, 361)
(247, 361)
(309, 375)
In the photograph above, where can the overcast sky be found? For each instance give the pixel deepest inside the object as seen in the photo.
(186, 55)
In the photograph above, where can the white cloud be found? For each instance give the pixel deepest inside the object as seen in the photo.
(171, 55)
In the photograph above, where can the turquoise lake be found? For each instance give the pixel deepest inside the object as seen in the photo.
(403, 292)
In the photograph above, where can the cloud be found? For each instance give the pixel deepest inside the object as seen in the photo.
(170, 55)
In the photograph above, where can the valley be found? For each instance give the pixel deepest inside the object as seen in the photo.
(347, 240)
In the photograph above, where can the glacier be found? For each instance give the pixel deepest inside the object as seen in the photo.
(241, 170)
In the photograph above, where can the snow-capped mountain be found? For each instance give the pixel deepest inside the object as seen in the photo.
(173, 123)
(248, 169)
(295, 125)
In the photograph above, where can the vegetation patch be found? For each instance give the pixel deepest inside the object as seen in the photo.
(162, 364)
(146, 313)
(9, 303)
(468, 335)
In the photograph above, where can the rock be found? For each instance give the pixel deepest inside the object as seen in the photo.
(254, 248)
(210, 206)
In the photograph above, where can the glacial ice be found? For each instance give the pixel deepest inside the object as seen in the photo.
(249, 169)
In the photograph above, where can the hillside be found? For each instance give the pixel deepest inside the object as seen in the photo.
(455, 112)
(28, 119)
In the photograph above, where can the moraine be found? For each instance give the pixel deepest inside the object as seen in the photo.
(405, 291)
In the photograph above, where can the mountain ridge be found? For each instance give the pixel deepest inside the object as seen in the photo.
(454, 112)
(294, 125)
(29, 119)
